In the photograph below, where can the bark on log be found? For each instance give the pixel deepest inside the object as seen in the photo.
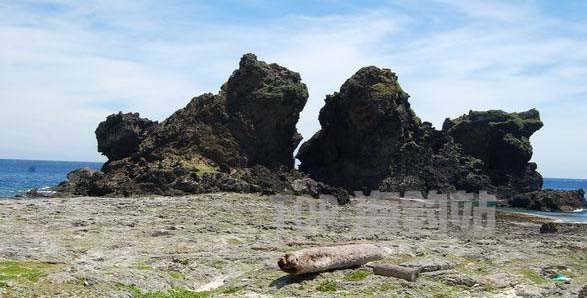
(319, 259)
(407, 273)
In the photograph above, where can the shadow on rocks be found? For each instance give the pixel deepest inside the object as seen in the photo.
(292, 279)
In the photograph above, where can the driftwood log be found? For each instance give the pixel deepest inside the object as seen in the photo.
(407, 273)
(320, 259)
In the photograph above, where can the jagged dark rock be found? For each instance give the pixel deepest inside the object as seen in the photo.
(550, 200)
(370, 139)
(241, 139)
(548, 228)
(363, 127)
(502, 142)
(263, 103)
(120, 135)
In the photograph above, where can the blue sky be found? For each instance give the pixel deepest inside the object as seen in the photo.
(65, 65)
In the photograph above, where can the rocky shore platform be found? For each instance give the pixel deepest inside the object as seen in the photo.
(228, 244)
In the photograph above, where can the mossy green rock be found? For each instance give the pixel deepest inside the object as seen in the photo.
(241, 139)
(502, 142)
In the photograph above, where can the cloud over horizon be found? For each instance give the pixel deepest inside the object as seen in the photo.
(66, 65)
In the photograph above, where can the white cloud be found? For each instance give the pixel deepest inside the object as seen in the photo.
(63, 71)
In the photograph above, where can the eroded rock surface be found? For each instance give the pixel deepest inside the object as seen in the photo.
(502, 142)
(228, 244)
(363, 127)
(371, 139)
(241, 139)
(550, 200)
(121, 134)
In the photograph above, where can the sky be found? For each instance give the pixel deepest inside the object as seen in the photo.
(65, 65)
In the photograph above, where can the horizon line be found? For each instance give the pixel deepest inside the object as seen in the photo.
(102, 162)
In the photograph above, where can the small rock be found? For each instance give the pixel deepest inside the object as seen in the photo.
(459, 280)
(548, 228)
(529, 291)
(159, 233)
(430, 264)
(501, 280)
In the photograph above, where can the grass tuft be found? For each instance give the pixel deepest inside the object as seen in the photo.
(534, 277)
(357, 275)
(175, 293)
(328, 285)
(23, 271)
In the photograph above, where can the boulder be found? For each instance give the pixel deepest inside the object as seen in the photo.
(120, 134)
(548, 228)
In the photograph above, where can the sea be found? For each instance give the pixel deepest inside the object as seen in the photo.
(17, 176)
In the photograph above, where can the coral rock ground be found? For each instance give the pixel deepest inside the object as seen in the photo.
(227, 245)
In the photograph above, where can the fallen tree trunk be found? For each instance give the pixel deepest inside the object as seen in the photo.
(319, 259)
(407, 273)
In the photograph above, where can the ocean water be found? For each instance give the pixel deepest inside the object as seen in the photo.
(21, 175)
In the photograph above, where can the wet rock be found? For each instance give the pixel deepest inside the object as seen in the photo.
(34, 193)
(120, 135)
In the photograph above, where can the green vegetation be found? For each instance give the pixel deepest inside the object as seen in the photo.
(328, 285)
(177, 275)
(532, 276)
(385, 287)
(357, 275)
(141, 265)
(231, 290)
(448, 294)
(382, 89)
(22, 271)
(175, 293)
(199, 167)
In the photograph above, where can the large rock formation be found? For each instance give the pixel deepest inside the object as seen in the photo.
(370, 139)
(502, 142)
(363, 127)
(241, 139)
